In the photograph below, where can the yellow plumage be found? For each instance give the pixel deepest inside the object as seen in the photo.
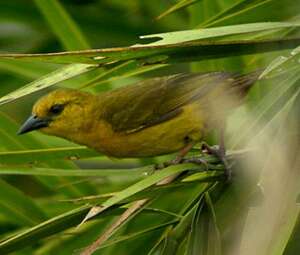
(154, 117)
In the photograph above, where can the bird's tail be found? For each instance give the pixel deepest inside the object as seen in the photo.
(243, 82)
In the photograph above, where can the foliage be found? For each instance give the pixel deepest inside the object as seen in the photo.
(49, 186)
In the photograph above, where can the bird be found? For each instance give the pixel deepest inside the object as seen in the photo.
(153, 117)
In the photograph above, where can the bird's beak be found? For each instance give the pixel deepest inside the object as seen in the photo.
(33, 123)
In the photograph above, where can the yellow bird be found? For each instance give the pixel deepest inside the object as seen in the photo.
(153, 117)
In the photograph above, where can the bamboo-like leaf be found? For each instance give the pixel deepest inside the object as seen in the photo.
(46, 154)
(282, 63)
(278, 92)
(30, 70)
(69, 219)
(18, 206)
(292, 245)
(172, 239)
(175, 236)
(151, 192)
(50, 79)
(52, 226)
(176, 7)
(245, 11)
(233, 201)
(121, 71)
(237, 8)
(167, 45)
(204, 236)
(139, 186)
(137, 234)
(196, 232)
(202, 48)
(179, 49)
(200, 34)
(46, 228)
(62, 24)
(134, 172)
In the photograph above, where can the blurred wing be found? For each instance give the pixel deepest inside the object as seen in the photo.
(156, 100)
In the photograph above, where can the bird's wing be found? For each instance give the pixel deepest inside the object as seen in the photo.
(156, 100)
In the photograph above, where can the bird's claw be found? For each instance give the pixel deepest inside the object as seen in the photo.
(198, 161)
(220, 153)
(176, 161)
(168, 163)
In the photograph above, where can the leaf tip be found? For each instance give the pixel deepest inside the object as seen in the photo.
(92, 213)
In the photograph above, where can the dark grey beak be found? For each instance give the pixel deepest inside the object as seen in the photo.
(33, 123)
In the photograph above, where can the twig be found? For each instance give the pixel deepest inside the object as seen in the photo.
(122, 219)
(129, 212)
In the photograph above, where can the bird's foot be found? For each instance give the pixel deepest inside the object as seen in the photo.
(165, 164)
(179, 158)
(220, 153)
(196, 160)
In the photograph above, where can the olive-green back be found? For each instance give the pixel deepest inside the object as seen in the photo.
(149, 102)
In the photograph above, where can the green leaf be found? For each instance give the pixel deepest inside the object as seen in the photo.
(45, 155)
(120, 71)
(134, 172)
(116, 240)
(23, 30)
(50, 79)
(204, 235)
(264, 110)
(245, 11)
(176, 7)
(282, 63)
(174, 237)
(147, 193)
(46, 228)
(27, 69)
(236, 9)
(139, 186)
(200, 34)
(62, 24)
(177, 52)
(292, 246)
(52, 226)
(19, 207)
(176, 45)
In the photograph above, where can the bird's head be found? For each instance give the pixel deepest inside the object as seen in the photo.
(62, 112)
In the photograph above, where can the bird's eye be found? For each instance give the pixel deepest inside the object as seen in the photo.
(56, 109)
